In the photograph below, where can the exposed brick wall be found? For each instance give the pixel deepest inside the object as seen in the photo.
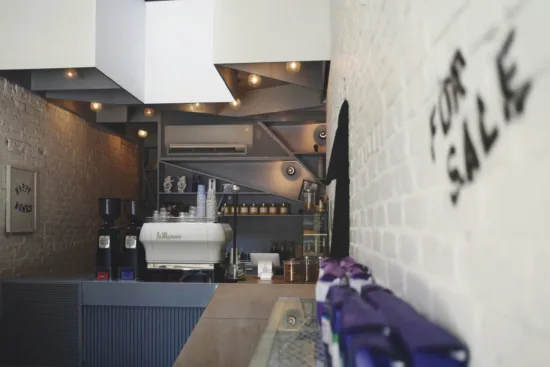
(77, 163)
(479, 266)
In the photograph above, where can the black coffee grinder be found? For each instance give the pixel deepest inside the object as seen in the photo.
(132, 265)
(108, 244)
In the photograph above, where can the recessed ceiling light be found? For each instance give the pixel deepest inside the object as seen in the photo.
(148, 112)
(254, 80)
(70, 74)
(235, 104)
(293, 66)
(96, 106)
(323, 134)
(142, 134)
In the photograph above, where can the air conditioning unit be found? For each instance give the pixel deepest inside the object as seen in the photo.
(196, 140)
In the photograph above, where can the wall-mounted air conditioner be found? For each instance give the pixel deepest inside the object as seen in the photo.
(208, 139)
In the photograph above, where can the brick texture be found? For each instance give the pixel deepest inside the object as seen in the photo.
(478, 266)
(77, 163)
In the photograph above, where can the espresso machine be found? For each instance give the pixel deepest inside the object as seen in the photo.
(131, 264)
(108, 240)
(189, 246)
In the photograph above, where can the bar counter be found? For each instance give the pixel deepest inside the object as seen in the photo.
(85, 322)
(234, 321)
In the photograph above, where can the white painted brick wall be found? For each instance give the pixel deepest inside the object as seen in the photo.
(480, 268)
(77, 163)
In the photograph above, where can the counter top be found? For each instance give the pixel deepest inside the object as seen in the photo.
(234, 320)
(292, 336)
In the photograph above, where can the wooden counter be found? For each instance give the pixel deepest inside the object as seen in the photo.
(234, 320)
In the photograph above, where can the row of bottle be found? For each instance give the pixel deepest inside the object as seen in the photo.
(253, 209)
(363, 324)
(286, 249)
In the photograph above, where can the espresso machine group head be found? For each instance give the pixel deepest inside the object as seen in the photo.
(108, 243)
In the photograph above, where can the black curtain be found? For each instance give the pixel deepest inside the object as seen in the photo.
(338, 169)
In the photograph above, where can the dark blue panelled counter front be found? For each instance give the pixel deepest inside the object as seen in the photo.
(88, 323)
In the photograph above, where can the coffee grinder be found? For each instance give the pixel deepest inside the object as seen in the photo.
(132, 264)
(108, 244)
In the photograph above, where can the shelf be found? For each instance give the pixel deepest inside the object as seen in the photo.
(224, 158)
(309, 153)
(315, 234)
(264, 215)
(217, 193)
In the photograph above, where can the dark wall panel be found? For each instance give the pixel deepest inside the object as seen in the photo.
(117, 336)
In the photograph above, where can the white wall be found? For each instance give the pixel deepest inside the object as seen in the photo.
(479, 267)
(248, 31)
(178, 64)
(120, 43)
(55, 34)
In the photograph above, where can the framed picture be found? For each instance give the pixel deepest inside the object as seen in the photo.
(313, 186)
(21, 200)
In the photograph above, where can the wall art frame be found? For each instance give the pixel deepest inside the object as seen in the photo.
(21, 200)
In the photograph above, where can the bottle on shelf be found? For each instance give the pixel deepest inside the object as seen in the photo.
(263, 209)
(253, 209)
(289, 249)
(309, 201)
(273, 210)
(194, 184)
(243, 210)
(281, 250)
(283, 209)
(225, 209)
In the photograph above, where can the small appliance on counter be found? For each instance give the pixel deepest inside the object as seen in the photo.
(108, 240)
(132, 265)
(190, 245)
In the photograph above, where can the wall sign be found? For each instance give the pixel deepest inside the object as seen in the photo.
(21, 200)
(514, 91)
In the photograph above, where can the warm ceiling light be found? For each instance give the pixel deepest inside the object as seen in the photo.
(293, 66)
(148, 112)
(197, 104)
(323, 134)
(142, 134)
(254, 80)
(235, 104)
(70, 74)
(290, 170)
(96, 106)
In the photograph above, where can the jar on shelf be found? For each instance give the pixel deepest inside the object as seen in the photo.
(263, 209)
(309, 202)
(243, 209)
(273, 210)
(231, 209)
(321, 206)
(283, 209)
(291, 270)
(253, 209)
(310, 269)
(225, 209)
